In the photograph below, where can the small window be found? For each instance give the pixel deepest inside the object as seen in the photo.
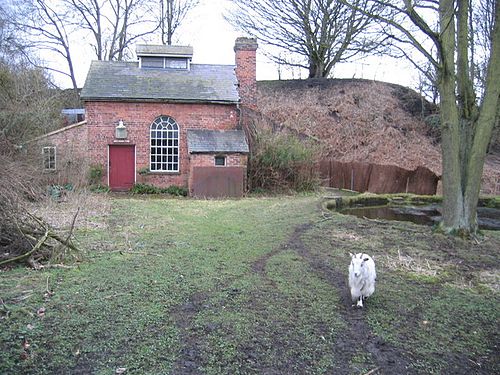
(49, 158)
(152, 62)
(164, 62)
(175, 63)
(220, 161)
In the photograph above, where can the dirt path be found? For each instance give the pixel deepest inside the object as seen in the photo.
(355, 339)
(388, 359)
(190, 359)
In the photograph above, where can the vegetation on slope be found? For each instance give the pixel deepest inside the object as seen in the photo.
(361, 120)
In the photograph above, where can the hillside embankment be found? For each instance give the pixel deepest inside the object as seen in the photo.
(363, 121)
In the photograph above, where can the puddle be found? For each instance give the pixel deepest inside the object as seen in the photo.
(488, 218)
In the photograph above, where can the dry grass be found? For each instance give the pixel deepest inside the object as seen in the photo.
(366, 121)
(93, 210)
(490, 278)
(417, 266)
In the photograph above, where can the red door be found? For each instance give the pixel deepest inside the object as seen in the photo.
(121, 167)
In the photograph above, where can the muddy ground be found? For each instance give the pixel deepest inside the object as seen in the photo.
(380, 356)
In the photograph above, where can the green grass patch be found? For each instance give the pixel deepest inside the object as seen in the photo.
(228, 287)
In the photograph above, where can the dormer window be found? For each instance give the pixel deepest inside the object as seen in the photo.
(164, 57)
(164, 62)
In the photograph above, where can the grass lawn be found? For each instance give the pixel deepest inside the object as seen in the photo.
(252, 286)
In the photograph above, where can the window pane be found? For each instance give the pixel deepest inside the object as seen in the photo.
(152, 62)
(165, 144)
(49, 158)
(220, 160)
(176, 63)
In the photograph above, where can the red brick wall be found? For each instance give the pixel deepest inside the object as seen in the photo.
(245, 56)
(208, 160)
(71, 154)
(102, 118)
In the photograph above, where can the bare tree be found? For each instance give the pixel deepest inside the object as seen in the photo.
(318, 33)
(114, 24)
(43, 25)
(482, 19)
(171, 15)
(438, 31)
(428, 83)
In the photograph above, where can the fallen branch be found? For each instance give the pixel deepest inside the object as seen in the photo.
(4, 307)
(35, 234)
(373, 371)
(35, 248)
(70, 233)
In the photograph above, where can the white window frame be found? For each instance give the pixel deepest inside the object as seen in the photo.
(164, 145)
(223, 157)
(165, 63)
(46, 153)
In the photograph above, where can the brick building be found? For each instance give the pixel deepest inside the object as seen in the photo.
(163, 121)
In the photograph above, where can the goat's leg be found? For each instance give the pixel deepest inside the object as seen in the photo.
(360, 302)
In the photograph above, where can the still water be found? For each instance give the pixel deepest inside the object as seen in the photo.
(488, 218)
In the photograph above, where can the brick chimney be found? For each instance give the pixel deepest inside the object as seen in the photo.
(245, 56)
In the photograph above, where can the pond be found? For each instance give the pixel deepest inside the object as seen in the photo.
(488, 218)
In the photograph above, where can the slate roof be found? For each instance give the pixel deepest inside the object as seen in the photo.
(213, 141)
(117, 80)
(163, 50)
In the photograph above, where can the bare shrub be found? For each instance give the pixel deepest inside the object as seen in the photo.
(280, 161)
(23, 236)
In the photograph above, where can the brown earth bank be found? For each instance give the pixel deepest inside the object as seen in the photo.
(357, 120)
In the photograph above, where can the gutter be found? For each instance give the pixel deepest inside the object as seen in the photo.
(159, 100)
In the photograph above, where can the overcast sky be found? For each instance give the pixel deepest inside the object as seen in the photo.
(213, 38)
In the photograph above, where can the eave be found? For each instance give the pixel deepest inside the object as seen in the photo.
(160, 100)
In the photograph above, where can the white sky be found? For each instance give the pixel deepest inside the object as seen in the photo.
(213, 38)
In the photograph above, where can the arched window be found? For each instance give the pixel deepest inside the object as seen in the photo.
(164, 145)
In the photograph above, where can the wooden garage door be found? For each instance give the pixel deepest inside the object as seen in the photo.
(218, 182)
(121, 167)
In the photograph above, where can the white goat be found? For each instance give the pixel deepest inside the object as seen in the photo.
(362, 277)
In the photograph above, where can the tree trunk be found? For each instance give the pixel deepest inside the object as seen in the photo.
(316, 70)
(466, 132)
(455, 215)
